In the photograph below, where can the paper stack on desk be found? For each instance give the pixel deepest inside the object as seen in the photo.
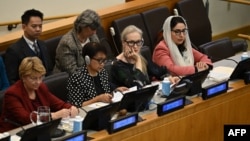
(220, 73)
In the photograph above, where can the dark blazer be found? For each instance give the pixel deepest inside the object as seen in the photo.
(19, 50)
(17, 105)
(4, 82)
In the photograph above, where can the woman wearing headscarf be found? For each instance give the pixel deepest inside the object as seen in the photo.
(175, 50)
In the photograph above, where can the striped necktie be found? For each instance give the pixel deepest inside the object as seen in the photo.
(37, 50)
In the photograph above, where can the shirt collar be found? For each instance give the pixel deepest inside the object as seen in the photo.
(30, 43)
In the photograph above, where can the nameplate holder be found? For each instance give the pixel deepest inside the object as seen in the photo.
(214, 90)
(122, 123)
(171, 105)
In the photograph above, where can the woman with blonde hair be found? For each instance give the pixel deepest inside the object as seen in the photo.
(28, 93)
(130, 68)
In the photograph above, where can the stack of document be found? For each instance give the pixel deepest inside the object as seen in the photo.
(220, 73)
(217, 75)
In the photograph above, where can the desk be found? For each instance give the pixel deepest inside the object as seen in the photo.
(247, 2)
(244, 36)
(202, 120)
(229, 62)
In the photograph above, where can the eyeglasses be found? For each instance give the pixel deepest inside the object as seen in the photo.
(178, 31)
(138, 43)
(100, 61)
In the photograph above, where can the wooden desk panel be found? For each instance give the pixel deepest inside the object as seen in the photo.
(247, 2)
(203, 120)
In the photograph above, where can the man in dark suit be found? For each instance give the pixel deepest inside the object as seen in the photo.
(28, 45)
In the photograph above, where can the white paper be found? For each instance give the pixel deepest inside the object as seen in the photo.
(220, 73)
(117, 96)
(97, 104)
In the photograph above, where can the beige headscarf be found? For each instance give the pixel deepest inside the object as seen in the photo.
(187, 59)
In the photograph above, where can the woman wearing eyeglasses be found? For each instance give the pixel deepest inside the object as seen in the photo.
(131, 68)
(175, 50)
(90, 83)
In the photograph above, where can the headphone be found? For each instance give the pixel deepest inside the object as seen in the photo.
(87, 59)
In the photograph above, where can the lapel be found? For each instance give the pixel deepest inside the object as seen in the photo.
(26, 49)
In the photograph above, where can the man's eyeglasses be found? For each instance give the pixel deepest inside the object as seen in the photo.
(138, 43)
(100, 61)
(178, 31)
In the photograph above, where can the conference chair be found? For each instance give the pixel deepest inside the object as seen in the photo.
(199, 26)
(119, 24)
(1, 100)
(218, 49)
(146, 52)
(153, 20)
(57, 84)
(51, 45)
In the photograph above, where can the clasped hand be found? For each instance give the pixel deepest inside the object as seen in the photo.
(64, 113)
(106, 97)
(201, 66)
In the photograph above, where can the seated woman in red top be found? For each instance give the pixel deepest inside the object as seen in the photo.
(27, 94)
(175, 50)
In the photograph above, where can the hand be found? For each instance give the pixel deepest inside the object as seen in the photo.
(122, 88)
(73, 111)
(63, 113)
(174, 79)
(201, 66)
(107, 98)
(131, 55)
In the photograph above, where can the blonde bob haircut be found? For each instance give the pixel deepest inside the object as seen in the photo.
(130, 29)
(31, 65)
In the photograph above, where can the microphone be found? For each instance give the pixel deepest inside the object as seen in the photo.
(20, 133)
(176, 12)
(112, 32)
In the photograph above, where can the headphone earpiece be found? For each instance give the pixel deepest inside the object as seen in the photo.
(87, 59)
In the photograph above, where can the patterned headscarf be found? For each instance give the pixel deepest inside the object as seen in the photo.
(187, 59)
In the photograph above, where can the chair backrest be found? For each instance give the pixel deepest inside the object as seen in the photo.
(218, 49)
(240, 45)
(146, 53)
(195, 14)
(154, 20)
(105, 42)
(51, 45)
(57, 84)
(121, 23)
(1, 100)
